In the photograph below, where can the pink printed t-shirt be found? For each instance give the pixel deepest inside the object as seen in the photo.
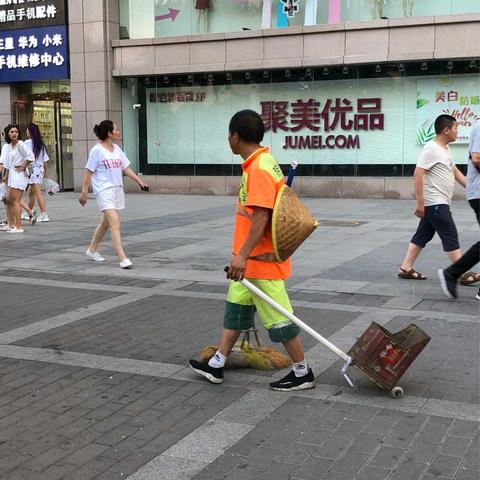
(107, 167)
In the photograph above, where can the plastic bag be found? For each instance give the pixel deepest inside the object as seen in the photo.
(51, 187)
(3, 191)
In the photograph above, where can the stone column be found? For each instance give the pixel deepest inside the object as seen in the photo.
(96, 95)
(6, 99)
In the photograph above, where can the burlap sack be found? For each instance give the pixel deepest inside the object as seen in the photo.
(292, 224)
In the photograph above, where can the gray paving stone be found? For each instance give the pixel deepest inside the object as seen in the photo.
(401, 436)
(464, 429)
(373, 473)
(313, 468)
(471, 460)
(381, 424)
(297, 453)
(261, 459)
(408, 470)
(348, 429)
(366, 442)
(332, 448)
(222, 466)
(350, 462)
(278, 471)
(467, 475)
(362, 413)
(433, 432)
(421, 451)
(455, 446)
(387, 457)
(316, 434)
(443, 466)
(242, 474)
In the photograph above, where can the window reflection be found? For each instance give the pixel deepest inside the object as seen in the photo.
(332, 120)
(167, 18)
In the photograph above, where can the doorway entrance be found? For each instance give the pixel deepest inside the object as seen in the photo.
(52, 113)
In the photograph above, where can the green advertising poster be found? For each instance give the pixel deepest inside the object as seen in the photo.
(459, 97)
(364, 121)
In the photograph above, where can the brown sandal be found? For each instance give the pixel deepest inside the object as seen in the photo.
(411, 274)
(468, 278)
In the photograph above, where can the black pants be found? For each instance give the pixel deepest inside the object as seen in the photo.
(472, 256)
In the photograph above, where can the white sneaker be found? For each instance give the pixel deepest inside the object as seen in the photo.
(15, 230)
(95, 256)
(5, 227)
(126, 263)
(25, 215)
(43, 217)
(34, 217)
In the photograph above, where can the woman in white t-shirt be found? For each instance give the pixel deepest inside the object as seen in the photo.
(40, 172)
(16, 157)
(105, 168)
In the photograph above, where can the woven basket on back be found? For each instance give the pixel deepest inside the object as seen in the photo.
(292, 223)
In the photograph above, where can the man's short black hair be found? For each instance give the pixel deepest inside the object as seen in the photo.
(442, 122)
(248, 125)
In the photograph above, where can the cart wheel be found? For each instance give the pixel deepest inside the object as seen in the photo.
(396, 392)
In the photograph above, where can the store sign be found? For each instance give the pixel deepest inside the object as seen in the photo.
(365, 121)
(173, 97)
(305, 116)
(459, 97)
(16, 14)
(33, 54)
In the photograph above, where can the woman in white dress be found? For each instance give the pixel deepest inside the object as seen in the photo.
(16, 158)
(106, 165)
(40, 172)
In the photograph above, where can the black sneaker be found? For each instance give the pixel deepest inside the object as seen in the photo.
(213, 375)
(448, 283)
(291, 382)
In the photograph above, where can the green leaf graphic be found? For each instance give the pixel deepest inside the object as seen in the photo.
(421, 102)
(425, 133)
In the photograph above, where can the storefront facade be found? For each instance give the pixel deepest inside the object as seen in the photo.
(348, 89)
(34, 76)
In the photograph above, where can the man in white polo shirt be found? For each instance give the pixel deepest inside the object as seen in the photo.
(434, 180)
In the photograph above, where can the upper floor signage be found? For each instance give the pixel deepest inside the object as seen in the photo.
(33, 54)
(17, 14)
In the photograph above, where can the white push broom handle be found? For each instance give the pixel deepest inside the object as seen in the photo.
(296, 320)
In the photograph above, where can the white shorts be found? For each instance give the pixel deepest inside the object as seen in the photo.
(112, 198)
(17, 180)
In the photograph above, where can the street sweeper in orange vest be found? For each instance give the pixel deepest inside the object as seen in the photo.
(254, 258)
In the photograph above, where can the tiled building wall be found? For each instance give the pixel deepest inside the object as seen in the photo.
(422, 38)
(96, 95)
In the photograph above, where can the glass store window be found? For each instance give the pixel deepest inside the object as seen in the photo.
(166, 18)
(369, 120)
(354, 10)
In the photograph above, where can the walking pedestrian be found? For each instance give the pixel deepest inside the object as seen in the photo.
(39, 174)
(449, 276)
(17, 158)
(253, 259)
(434, 180)
(106, 165)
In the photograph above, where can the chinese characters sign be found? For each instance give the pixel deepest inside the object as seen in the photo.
(33, 54)
(459, 97)
(15, 14)
(172, 97)
(364, 114)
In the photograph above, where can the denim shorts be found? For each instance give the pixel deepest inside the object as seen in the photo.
(437, 218)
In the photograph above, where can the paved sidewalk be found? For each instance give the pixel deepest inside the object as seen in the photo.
(93, 382)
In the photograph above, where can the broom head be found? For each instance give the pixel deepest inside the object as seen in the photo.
(247, 356)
